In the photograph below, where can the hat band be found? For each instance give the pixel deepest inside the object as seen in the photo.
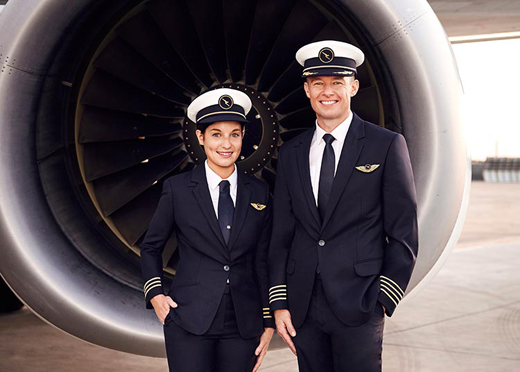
(336, 61)
(221, 112)
(330, 67)
(217, 109)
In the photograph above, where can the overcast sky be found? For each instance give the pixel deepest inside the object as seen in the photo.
(490, 73)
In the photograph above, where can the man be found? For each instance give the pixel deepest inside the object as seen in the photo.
(344, 237)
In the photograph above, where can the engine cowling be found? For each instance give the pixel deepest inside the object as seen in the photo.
(92, 110)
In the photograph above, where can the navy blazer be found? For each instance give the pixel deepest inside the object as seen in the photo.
(206, 263)
(366, 244)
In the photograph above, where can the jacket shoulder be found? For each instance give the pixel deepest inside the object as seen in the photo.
(256, 183)
(375, 132)
(296, 141)
(177, 179)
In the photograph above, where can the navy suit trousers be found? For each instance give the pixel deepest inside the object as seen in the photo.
(325, 344)
(220, 349)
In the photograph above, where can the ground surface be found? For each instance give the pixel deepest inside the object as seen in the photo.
(466, 319)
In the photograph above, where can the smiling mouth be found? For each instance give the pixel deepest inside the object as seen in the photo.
(328, 103)
(225, 154)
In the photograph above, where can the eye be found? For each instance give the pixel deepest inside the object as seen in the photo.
(215, 135)
(235, 135)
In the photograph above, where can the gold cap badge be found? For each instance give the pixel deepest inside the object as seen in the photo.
(225, 102)
(326, 55)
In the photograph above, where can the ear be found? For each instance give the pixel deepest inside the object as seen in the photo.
(243, 132)
(200, 136)
(306, 88)
(354, 87)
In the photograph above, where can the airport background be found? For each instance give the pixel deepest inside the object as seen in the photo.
(466, 318)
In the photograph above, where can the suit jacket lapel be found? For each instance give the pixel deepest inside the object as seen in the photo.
(241, 207)
(203, 197)
(349, 156)
(305, 175)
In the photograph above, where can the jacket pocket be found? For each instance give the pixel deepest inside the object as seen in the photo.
(368, 267)
(290, 267)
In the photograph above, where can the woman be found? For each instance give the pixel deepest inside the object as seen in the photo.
(216, 314)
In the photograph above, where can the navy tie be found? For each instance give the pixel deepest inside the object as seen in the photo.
(226, 209)
(326, 175)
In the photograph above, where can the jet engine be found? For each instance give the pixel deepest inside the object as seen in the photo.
(93, 97)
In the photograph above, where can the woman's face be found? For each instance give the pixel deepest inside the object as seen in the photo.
(222, 143)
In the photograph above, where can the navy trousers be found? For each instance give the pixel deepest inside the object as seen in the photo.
(220, 349)
(325, 344)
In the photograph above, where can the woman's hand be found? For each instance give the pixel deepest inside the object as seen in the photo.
(261, 350)
(161, 305)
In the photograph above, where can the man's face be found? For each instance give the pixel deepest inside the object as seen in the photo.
(222, 143)
(330, 96)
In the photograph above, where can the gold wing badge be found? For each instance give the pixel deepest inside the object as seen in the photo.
(258, 206)
(367, 168)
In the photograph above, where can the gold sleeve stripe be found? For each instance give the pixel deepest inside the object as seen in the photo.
(153, 286)
(278, 286)
(149, 280)
(391, 291)
(152, 283)
(390, 297)
(267, 317)
(396, 288)
(392, 282)
(266, 308)
(277, 299)
(277, 291)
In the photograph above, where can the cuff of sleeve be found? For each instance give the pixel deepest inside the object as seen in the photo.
(279, 305)
(268, 318)
(152, 288)
(387, 303)
(269, 323)
(390, 294)
(278, 297)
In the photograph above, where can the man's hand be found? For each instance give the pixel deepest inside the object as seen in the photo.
(261, 350)
(161, 305)
(284, 327)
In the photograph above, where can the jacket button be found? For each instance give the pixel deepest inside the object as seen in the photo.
(226, 268)
(321, 243)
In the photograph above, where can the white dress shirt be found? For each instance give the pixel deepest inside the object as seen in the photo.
(213, 185)
(317, 147)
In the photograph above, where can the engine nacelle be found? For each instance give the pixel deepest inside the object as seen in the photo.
(92, 110)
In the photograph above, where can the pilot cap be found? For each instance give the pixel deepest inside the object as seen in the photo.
(329, 57)
(223, 104)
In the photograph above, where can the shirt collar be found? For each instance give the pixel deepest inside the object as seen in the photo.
(214, 179)
(339, 133)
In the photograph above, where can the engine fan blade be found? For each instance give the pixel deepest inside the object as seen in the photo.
(98, 125)
(115, 190)
(109, 92)
(104, 158)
